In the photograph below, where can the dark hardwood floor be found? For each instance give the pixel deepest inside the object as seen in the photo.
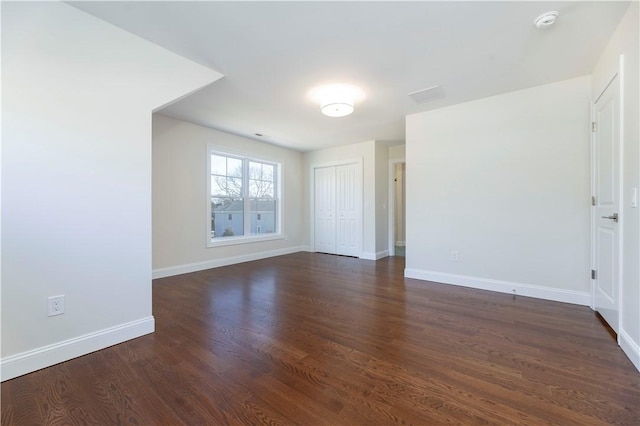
(318, 339)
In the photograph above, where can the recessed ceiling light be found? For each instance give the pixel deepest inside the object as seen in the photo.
(546, 19)
(336, 100)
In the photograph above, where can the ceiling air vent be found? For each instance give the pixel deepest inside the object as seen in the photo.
(428, 94)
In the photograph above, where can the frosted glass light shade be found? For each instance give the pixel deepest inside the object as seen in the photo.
(336, 100)
(337, 109)
(546, 19)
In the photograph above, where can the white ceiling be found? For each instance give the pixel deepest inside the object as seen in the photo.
(272, 53)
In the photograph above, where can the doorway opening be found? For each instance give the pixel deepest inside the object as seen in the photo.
(397, 202)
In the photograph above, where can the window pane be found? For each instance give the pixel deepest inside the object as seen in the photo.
(234, 187)
(226, 187)
(234, 167)
(267, 172)
(263, 216)
(255, 169)
(226, 176)
(218, 165)
(227, 217)
(260, 189)
(217, 185)
(261, 180)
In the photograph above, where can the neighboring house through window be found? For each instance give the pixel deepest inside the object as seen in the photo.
(244, 197)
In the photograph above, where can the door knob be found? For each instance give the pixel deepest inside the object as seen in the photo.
(613, 217)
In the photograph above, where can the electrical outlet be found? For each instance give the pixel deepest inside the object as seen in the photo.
(454, 256)
(56, 305)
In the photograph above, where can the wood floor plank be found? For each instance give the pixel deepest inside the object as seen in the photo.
(18, 402)
(318, 339)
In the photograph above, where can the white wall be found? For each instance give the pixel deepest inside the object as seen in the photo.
(505, 182)
(397, 152)
(76, 179)
(180, 198)
(625, 40)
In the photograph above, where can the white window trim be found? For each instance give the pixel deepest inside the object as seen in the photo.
(243, 239)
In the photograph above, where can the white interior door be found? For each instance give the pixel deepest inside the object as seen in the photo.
(607, 203)
(325, 210)
(348, 210)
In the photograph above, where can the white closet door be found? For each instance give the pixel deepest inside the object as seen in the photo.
(348, 210)
(325, 209)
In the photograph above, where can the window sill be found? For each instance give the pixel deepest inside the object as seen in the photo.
(230, 241)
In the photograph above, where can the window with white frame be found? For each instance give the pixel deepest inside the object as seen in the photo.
(244, 198)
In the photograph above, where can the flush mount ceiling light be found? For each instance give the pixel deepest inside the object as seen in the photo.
(339, 108)
(336, 100)
(546, 19)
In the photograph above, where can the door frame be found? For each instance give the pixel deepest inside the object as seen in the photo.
(312, 199)
(392, 203)
(611, 76)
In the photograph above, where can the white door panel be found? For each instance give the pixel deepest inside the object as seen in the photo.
(337, 209)
(607, 206)
(347, 210)
(325, 224)
(606, 238)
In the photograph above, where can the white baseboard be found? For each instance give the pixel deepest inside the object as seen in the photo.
(367, 255)
(547, 293)
(46, 356)
(630, 348)
(216, 263)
